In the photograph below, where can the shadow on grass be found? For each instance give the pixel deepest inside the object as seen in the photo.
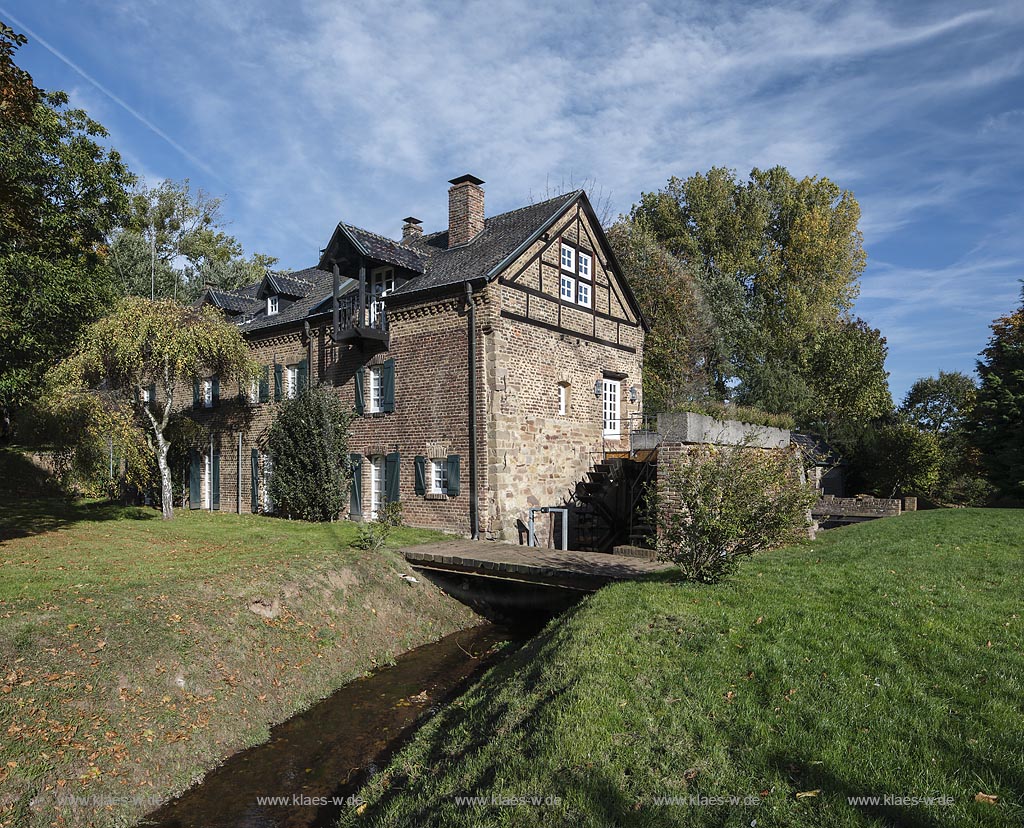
(22, 517)
(478, 768)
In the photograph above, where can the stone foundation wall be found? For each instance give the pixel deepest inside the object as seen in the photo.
(866, 507)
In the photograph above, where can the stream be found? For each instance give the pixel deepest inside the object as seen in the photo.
(316, 761)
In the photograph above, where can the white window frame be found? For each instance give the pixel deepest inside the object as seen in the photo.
(376, 485)
(585, 265)
(266, 472)
(611, 413)
(567, 289)
(273, 306)
(254, 392)
(207, 480)
(563, 398)
(208, 393)
(375, 388)
(568, 258)
(439, 475)
(583, 294)
(145, 397)
(291, 381)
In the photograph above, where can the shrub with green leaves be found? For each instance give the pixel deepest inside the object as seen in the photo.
(719, 504)
(308, 442)
(373, 535)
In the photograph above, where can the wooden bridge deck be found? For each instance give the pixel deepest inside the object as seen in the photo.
(586, 571)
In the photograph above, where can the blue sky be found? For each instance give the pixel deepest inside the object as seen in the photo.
(302, 114)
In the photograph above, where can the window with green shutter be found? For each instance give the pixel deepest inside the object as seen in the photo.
(302, 376)
(152, 397)
(215, 482)
(355, 500)
(391, 477)
(195, 394)
(387, 386)
(264, 389)
(278, 382)
(453, 475)
(420, 474)
(195, 480)
(359, 382)
(215, 383)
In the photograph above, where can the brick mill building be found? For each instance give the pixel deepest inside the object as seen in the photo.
(492, 364)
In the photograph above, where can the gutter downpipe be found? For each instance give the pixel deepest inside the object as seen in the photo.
(334, 299)
(474, 505)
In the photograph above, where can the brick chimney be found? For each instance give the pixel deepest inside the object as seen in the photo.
(465, 209)
(412, 230)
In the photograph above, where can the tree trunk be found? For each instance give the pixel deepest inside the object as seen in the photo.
(166, 490)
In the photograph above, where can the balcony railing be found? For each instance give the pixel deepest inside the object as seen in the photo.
(370, 323)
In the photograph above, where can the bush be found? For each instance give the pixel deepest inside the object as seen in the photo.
(308, 442)
(743, 413)
(373, 535)
(722, 503)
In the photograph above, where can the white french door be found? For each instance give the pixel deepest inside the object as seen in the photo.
(610, 407)
(376, 485)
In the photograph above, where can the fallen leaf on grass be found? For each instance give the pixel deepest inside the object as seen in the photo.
(807, 794)
(690, 774)
(988, 799)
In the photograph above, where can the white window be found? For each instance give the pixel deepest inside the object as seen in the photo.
(563, 398)
(145, 397)
(271, 305)
(584, 265)
(568, 258)
(376, 485)
(267, 465)
(382, 283)
(584, 294)
(207, 393)
(254, 391)
(568, 288)
(610, 407)
(376, 373)
(291, 381)
(207, 480)
(439, 476)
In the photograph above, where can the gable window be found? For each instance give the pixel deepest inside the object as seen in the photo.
(610, 407)
(584, 265)
(439, 476)
(583, 296)
(568, 290)
(272, 306)
(568, 258)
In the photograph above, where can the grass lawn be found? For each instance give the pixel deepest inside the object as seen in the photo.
(133, 658)
(883, 659)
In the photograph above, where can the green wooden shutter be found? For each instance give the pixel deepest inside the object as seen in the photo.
(302, 378)
(265, 385)
(355, 500)
(215, 484)
(215, 382)
(420, 475)
(278, 382)
(360, 377)
(152, 396)
(391, 468)
(195, 480)
(387, 386)
(195, 393)
(453, 475)
(254, 483)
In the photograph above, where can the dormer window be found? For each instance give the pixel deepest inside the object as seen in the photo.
(271, 305)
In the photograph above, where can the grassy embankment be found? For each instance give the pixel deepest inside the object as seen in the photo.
(131, 657)
(885, 658)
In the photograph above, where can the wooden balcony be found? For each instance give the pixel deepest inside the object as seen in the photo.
(362, 324)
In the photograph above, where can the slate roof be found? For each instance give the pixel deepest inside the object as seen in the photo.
(502, 236)
(385, 249)
(815, 448)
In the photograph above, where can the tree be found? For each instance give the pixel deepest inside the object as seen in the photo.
(173, 243)
(61, 193)
(719, 504)
(900, 458)
(308, 442)
(143, 343)
(941, 404)
(998, 423)
(779, 261)
(678, 349)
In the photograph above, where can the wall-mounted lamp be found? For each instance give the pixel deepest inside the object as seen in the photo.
(598, 388)
(634, 392)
